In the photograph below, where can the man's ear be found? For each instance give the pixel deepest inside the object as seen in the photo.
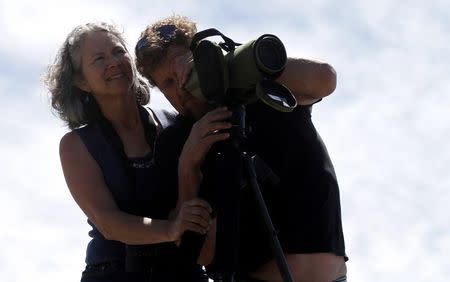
(81, 83)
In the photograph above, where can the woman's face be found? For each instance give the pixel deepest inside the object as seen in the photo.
(105, 66)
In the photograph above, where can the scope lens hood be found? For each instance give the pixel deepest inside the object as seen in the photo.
(270, 54)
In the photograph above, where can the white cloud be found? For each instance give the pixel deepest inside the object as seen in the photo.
(386, 127)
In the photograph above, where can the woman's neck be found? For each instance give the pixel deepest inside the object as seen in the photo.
(122, 112)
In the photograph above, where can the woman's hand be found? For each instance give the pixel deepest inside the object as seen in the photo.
(193, 215)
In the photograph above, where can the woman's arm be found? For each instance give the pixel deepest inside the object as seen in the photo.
(309, 80)
(85, 181)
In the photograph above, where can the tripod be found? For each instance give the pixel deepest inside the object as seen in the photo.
(235, 160)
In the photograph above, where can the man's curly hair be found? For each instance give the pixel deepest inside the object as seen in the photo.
(154, 41)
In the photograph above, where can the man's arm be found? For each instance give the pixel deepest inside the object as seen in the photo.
(204, 133)
(309, 80)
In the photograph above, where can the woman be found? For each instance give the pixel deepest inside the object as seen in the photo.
(107, 161)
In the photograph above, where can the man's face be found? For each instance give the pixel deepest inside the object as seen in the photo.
(168, 77)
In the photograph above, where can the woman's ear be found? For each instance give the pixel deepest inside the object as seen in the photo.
(81, 83)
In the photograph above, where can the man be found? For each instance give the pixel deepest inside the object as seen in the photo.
(304, 204)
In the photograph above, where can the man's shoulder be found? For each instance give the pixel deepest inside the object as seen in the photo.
(262, 118)
(164, 117)
(171, 139)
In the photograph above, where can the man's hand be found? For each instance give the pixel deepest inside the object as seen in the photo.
(204, 133)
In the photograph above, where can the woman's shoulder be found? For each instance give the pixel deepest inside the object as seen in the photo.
(75, 134)
(69, 141)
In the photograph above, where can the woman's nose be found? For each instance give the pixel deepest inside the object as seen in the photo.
(113, 61)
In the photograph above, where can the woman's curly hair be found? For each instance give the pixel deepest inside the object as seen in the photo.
(67, 100)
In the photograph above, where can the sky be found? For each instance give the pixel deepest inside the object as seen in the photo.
(386, 126)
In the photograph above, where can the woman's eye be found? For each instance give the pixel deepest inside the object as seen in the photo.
(98, 59)
(120, 51)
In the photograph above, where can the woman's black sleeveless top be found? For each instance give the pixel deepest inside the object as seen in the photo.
(134, 183)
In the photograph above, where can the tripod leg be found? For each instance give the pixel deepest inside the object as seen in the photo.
(227, 206)
(275, 243)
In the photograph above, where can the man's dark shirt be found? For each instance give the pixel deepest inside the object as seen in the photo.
(304, 205)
